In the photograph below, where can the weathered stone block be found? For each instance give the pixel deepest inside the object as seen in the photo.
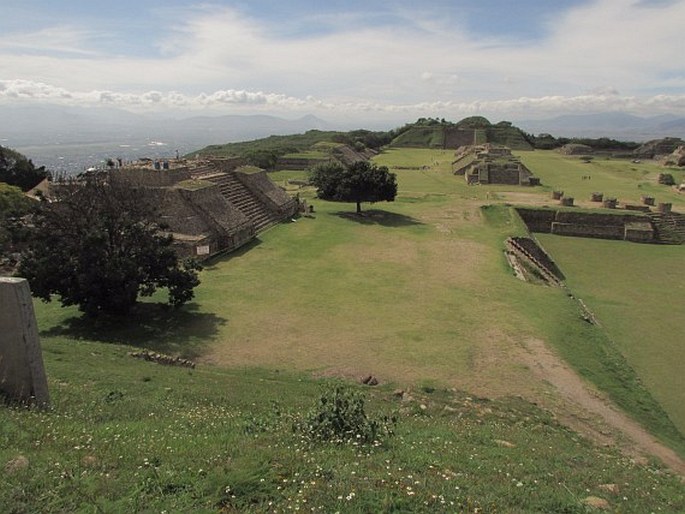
(22, 374)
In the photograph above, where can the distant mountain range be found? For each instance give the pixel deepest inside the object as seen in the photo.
(615, 125)
(46, 124)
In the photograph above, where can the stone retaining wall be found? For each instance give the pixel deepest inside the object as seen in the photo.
(597, 231)
(630, 227)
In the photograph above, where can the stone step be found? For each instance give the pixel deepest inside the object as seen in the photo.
(244, 200)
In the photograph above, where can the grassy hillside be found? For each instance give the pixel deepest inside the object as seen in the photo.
(282, 144)
(131, 436)
(421, 137)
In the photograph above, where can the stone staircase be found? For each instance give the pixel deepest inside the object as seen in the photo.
(242, 199)
(529, 249)
(670, 228)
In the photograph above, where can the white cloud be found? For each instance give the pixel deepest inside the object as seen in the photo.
(51, 40)
(604, 99)
(589, 54)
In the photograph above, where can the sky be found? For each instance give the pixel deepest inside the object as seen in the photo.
(348, 61)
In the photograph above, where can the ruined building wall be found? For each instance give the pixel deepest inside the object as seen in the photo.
(228, 164)
(597, 231)
(455, 137)
(202, 218)
(538, 220)
(153, 178)
(503, 174)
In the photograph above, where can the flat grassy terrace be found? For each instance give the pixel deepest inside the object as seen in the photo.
(617, 178)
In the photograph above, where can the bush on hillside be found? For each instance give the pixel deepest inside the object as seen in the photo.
(340, 417)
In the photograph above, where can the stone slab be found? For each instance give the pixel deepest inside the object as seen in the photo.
(22, 374)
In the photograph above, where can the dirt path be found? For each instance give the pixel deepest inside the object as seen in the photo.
(546, 365)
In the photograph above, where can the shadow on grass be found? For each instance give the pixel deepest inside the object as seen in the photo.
(378, 217)
(153, 326)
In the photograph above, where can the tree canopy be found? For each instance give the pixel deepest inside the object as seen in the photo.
(360, 182)
(100, 248)
(17, 170)
(13, 206)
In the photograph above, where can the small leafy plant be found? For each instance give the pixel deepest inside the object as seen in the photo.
(340, 417)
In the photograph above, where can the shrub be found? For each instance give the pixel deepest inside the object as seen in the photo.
(339, 416)
(666, 179)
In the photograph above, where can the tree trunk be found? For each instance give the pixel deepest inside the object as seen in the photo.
(359, 207)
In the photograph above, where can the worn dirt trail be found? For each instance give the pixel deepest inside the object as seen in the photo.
(546, 365)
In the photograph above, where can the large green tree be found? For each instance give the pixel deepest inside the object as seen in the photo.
(17, 170)
(360, 182)
(99, 247)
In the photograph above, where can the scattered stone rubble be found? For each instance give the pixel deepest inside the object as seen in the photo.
(161, 358)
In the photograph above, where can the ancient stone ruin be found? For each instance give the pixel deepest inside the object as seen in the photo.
(22, 374)
(658, 148)
(211, 206)
(491, 164)
(629, 226)
(531, 263)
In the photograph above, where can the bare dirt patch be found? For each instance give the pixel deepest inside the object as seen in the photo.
(589, 407)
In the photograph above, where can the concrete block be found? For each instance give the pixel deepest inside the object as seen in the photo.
(22, 374)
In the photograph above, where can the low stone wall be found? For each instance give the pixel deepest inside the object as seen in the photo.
(630, 227)
(538, 220)
(639, 232)
(592, 218)
(596, 231)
